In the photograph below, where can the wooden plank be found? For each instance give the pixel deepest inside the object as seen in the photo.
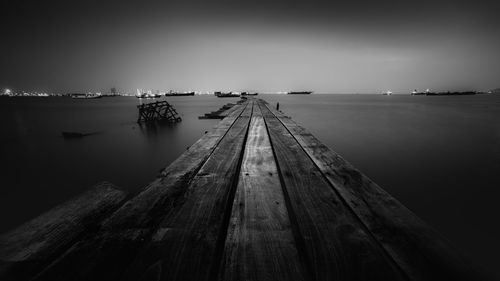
(187, 244)
(260, 245)
(222, 112)
(106, 255)
(29, 247)
(418, 249)
(336, 244)
(228, 111)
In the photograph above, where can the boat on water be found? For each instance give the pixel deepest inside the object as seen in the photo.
(226, 95)
(86, 96)
(249, 94)
(387, 93)
(299, 93)
(466, 93)
(179, 94)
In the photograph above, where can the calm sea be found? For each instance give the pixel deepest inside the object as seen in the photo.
(440, 156)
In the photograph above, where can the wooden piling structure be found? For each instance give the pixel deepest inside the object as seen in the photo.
(256, 198)
(157, 111)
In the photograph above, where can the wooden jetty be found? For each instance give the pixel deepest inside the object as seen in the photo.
(256, 198)
(222, 112)
(157, 111)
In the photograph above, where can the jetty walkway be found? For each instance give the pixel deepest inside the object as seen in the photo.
(256, 198)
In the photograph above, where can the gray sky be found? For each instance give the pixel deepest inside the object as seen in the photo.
(325, 46)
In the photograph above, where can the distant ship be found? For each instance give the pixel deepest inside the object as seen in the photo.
(248, 94)
(175, 94)
(448, 93)
(226, 95)
(300, 93)
(388, 93)
(451, 93)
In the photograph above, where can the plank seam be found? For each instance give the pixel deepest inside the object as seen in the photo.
(54, 260)
(198, 168)
(363, 225)
(298, 237)
(221, 237)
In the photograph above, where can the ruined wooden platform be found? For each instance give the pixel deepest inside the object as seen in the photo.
(256, 198)
(157, 111)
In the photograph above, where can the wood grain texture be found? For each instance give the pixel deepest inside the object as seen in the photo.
(142, 208)
(106, 255)
(260, 245)
(32, 245)
(421, 252)
(185, 245)
(335, 243)
(230, 110)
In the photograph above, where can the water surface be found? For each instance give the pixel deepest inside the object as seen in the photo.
(440, 156)
(39, 168)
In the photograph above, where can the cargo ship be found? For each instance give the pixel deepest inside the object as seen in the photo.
(451, 93)
(178, 94)
(249, 94)
(226, 95)
(448, 93)
(299, 93)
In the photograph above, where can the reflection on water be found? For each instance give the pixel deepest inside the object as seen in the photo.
(154, 129)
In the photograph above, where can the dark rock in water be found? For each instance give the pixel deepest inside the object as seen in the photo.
(74, 135)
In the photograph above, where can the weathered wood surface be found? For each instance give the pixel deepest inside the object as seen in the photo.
(256, 198)
(230, 110)
(222, 112)
(107, 255)
(260, 245)
(418, 249)
(32, 245)
(185, 245)
(336, 244)
(226, 112)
